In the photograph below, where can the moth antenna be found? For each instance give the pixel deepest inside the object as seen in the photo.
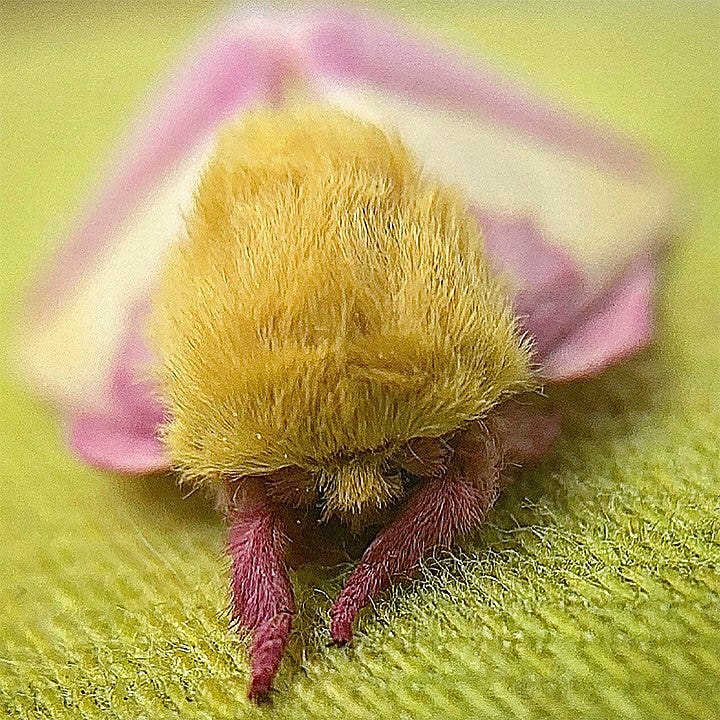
(439, 511)
(262, 596)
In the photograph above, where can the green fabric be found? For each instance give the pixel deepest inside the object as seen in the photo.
(593, 590)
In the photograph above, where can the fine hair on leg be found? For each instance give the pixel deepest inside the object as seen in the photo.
(262, 596)
(439, 510)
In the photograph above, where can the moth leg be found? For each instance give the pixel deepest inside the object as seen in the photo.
(439, 511)
(527, 434)
(262, 596)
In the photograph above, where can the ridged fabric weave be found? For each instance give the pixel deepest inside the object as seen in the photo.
(593, 591)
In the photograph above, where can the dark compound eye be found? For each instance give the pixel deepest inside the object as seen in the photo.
(392, 468)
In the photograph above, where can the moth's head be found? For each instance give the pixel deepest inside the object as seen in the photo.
(328, 305)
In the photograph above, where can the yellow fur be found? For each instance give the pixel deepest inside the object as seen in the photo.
(328, 304)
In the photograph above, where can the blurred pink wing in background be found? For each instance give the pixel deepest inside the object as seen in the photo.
(571, 215)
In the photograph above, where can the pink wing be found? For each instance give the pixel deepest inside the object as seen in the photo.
(570, 214)
(84, 345)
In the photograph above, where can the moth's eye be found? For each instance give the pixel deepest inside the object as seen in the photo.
(425, 457)
(291, 486)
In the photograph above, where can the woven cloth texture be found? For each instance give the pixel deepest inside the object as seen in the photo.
(592, 592)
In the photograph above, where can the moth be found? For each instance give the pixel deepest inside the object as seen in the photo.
(327, 268)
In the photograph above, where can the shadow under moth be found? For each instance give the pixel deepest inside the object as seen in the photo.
(329, 265)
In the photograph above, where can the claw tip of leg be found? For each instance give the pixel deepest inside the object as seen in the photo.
(259, 693)
(340, 634)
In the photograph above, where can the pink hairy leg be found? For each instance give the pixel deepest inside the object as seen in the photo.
(439, 511)
(262, 597)
(445, 506)
(525, 433)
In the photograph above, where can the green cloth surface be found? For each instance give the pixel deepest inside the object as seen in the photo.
(592, 592)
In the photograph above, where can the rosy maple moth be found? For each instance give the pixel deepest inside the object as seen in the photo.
(327, 263)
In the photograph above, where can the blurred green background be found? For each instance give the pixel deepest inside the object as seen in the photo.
(593, 590)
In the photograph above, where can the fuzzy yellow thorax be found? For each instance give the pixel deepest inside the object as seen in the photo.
(327, 303)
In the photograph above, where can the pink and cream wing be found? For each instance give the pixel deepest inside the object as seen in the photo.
(571, 213)
(84, 346)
